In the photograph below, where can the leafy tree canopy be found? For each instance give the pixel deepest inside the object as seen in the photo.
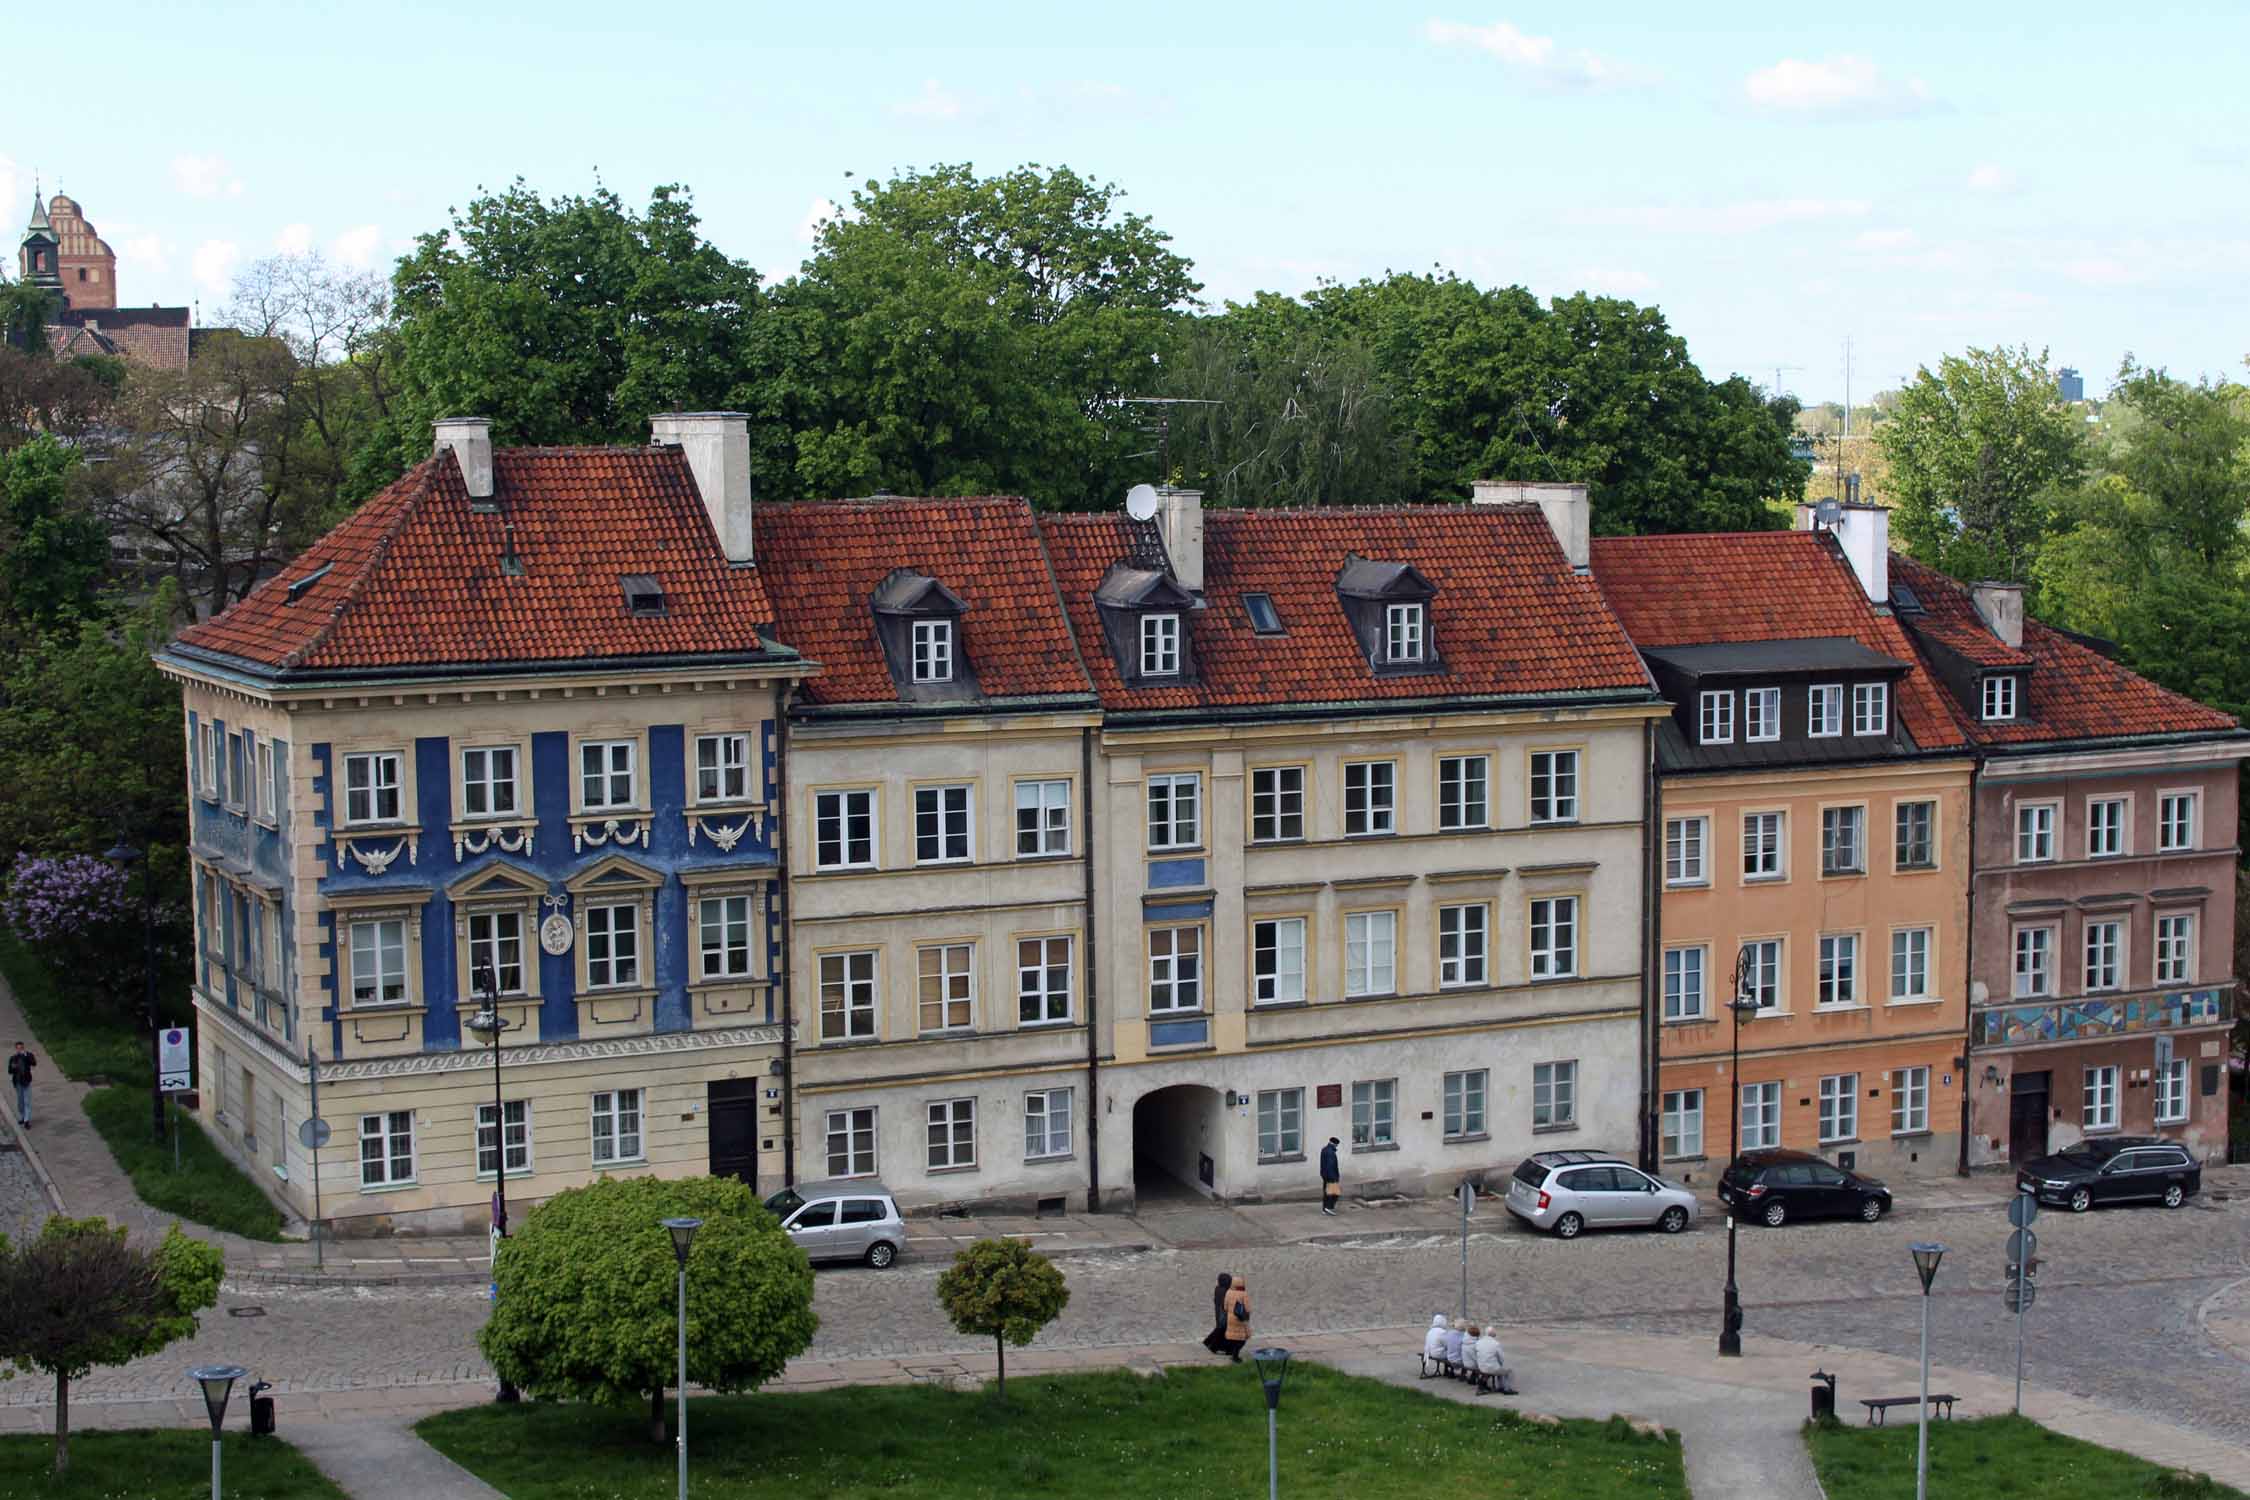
(53, 551)
(1004, 1289)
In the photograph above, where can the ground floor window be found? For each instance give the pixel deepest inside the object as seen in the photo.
(617, 1126)
(1910, 1101)
(2100, 1110)
(1281, 1123)
(851, 1143)
(386, 1148)
(1374, 1111)
(1464, 1103)
(1761, 1115)
(1839, 1108)
(953, 1134)
(1046, 1123)
(515, 1126)
(1683, 1122)
(1554, 1095)
(2172, 1092)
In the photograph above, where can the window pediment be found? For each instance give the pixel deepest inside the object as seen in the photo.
(615, 874)
(499, 881)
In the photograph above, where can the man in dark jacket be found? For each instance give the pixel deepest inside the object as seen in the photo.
(1331, 1178)
(20, 1064)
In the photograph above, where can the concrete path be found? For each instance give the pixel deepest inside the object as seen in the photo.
(371, 1458)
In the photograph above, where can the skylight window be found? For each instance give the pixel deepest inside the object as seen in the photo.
(1264, 618)
(644, 596)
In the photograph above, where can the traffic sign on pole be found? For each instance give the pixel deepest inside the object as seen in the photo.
(2021, 1244)
(175, 1070)
(2022, 1209)
(312, 1134)
(2020, 1295)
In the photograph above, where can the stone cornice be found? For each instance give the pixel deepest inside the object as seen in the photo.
(426, 1064)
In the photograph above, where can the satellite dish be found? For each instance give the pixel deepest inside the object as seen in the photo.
(1826, 514)
(1140, 502)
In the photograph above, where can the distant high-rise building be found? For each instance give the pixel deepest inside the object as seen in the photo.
(2071, 383)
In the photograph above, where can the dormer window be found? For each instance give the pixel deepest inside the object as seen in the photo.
(933, 650)
(1761, 714)
(1160, 645)
(1405, 628)
(1871, 708)
(1717, 719)
(644, 596)
(1999, 698)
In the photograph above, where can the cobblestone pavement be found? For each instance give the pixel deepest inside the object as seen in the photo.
(23, 1202)
(2116, 1320)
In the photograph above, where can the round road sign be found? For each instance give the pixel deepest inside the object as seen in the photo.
(312, 1134)
(2022, 1209)
(2022, 1245)
(2020, 1295)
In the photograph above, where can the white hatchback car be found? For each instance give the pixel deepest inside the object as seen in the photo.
(1572, 1191)
(842, 1221)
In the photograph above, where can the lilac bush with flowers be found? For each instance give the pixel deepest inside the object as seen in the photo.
(72, 911)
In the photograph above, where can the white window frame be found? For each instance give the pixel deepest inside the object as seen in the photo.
(1843, 841)
(722, 767)
(2175, 947)
(2098, 1098)
(1837, 986)
(1466, 1096)
(1405, 632)
(1759, 1105)
(2032, 962)
(241, 758)
(2107, 819)
(1764, 858)
(1761, 715)
(955, 978)
(516, 1113)
(945, 820)
(482, 776)
(1554, 1095)
(493, 934)
(1901, 813)
(1824, 710)
(2000, 695)
(1555, 935)
(932, 651)
(717, 917)
(1682, 1112)
(2035, 832)
(853, 976)
(1277, 960)
(1910, 963)
(1374, 1114)
(1559, 775)
(395, 1158)
(2168, 1093)
(1175, 810)
(2176, 821)
(1048, 1122)
(1464, 945)
(1767, 972)
(1687, 851)
(379, 949)
(1043, 818)
(385, 777)
(1277, 804)
(2104, 951)
(1040, 999)
(619, 964)
(206, 759)
(1464, 792)
(1175, 970)
(840, 808)
(1160, 645)
(1370, 798)
(1839, 1109)
(1715, 717)
(1910, 1100)
(618, 1120)
(1371, 952)
(270, 767)
(1687, 982)
(1281, 1124)
(612, 759)
(855, 1129)
(950, 1135)
(1871, 708)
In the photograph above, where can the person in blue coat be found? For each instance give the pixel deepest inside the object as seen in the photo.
(1331, 1178)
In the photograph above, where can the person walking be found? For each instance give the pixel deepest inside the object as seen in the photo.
(1238, 1318)
(1331, 1178)
(1217, 1337)
(20, 1064)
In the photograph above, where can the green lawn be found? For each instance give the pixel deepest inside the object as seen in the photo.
(78, 1039)
(158, 1466)
(208, 1189)
(1991, 1458)
(1195, 1432)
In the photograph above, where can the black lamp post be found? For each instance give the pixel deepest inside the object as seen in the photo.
(1744, 1004)
(125, 857)
(218, 1385)
(1273, 1368)
(683, 1236)
(489, 1027)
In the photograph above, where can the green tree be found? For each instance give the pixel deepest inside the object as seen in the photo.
(1004, 1289)
(2185, 631)
(1978, 452)
(53, 551)
(79, 1296)
(585, 1309)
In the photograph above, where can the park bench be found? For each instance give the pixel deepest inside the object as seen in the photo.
(1881, 1404)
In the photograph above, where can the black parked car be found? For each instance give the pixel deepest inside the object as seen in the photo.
(1772, 1187)
(2114, 1169)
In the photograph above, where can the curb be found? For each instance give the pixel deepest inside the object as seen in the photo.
(38, 1167)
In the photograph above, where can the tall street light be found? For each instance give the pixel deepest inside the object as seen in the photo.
(1273, 1368)
(125, 856)
(489, 1027)
(1926, 1258)
(1745, 1008)
(683, 1235)
(218, 1384)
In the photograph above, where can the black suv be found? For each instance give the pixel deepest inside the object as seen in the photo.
(1776, 1186)
(2114, 1169)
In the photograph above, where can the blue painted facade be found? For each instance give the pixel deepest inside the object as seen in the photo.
(239, 848)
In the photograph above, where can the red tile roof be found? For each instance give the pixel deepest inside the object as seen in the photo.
(1510, 618)
(2073, 692)
(825, 559)
(1697, 589)
(414, 576)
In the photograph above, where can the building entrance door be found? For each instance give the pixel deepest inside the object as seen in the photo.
(732, 1109)
(2027, 1117)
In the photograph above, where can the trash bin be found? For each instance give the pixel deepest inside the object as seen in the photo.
(261, 1409)
(1823, 1396)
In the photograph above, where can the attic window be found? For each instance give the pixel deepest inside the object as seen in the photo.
(933, 650)
(1160, 645)
(1264, 618)
(1404, 631)
(297, 589)
(1999, 697)
(1905, 601)
(644, 596)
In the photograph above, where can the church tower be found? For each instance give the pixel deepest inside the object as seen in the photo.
(39, 261)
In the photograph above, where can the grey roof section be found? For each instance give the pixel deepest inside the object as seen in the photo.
(906, 592)
(1370, 578)
(1131, 586)
(1769, 658)
(1676, 752)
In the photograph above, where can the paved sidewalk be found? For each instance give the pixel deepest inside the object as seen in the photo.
(383, 1457)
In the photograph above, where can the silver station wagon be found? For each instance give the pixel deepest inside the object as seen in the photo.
(1569, 1192)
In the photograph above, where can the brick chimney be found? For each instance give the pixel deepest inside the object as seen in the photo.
(1568, 510)
(1179, 517)
(716, 445)
(470, 438)
(2001, 604)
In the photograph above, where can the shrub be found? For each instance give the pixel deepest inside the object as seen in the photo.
(1002, 1288)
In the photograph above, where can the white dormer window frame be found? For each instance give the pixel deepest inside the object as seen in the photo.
(1824, 710)
(1761, 714)
(1160, 645)
(1406, 632)
(933, 650)
(1715, 717)
(1871, 708)
(2000, 694)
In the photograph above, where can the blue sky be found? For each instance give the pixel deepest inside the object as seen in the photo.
(1917, 178)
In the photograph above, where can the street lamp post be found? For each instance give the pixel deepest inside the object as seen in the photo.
(1273, 1368)
(125, 857)
(218, 1384)
(1926, 1258)
(1745, 1007)
(683, 1235)
(489, 1026)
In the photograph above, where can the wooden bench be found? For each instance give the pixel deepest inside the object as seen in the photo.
(1881, 1404)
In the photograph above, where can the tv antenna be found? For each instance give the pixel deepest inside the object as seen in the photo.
(1159, 415)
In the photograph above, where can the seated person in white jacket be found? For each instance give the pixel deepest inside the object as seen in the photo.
(1491, 1360)
(1433, 1344)
(1453, 1343)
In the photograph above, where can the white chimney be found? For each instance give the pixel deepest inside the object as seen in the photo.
(1568, 511)
(1179, 517)
(470, 438)
(716, 445)
(1864, 532)
(2001, 604)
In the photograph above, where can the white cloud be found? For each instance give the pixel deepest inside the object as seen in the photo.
(933, 103)
(1537, 57)
(1990, 178)
(213, 265)
(1744, 217)
(1844, 84)
(1614, 282)
(2105, 270)
(146, 252)
(294, 239)
(204, 177)
(355, 248)
(822, 209)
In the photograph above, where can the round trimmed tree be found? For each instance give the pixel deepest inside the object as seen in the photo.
(587, 1294)
(1003, 1288)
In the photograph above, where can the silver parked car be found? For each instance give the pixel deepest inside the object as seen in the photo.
(842, 1221)
(1570, 1191)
